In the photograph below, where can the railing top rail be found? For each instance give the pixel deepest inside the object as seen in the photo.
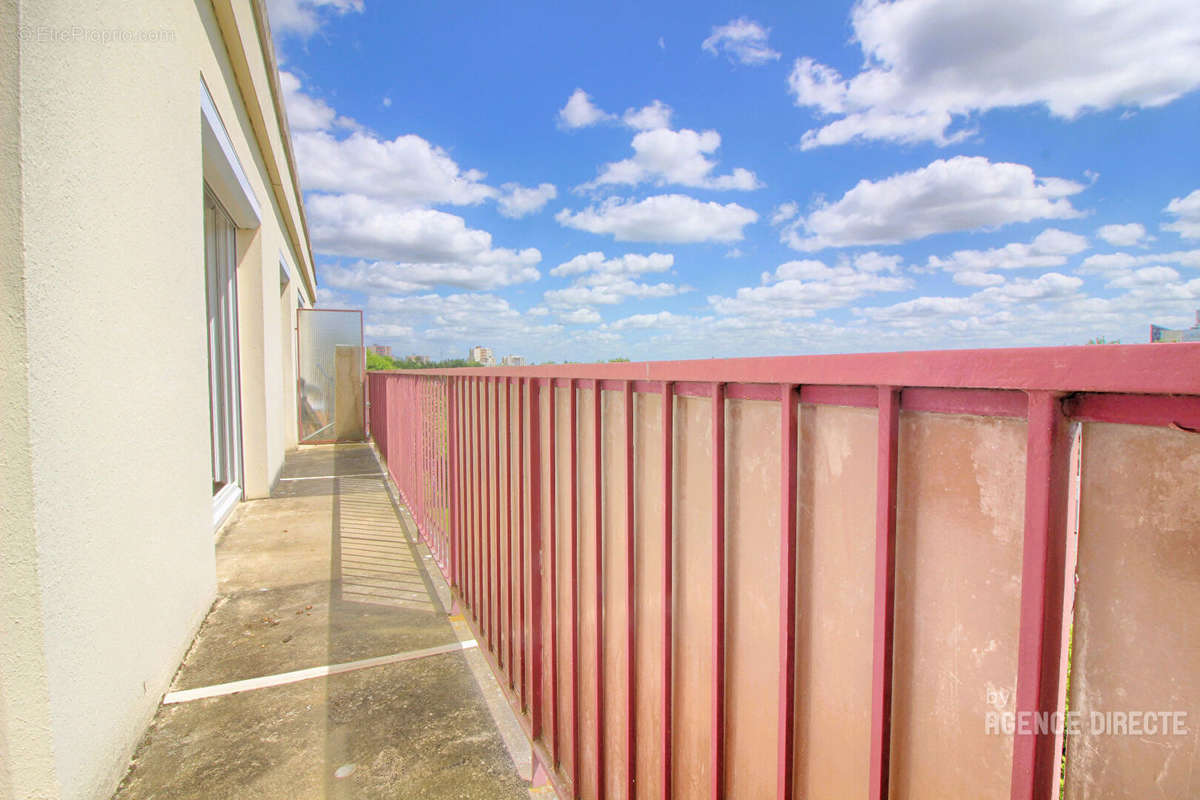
(1137, 368)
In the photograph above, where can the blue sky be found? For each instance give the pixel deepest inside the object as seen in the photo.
(688, 180)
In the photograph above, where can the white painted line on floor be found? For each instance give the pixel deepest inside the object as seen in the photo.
(327, 477)
(282, 678)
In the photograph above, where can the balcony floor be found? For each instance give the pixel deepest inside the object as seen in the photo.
(327, 572)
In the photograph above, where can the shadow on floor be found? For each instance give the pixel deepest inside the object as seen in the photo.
(324, 573)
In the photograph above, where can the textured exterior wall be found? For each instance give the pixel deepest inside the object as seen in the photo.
(108, 562)
(26, 754)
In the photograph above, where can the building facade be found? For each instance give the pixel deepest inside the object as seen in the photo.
(154, 252)
(482, 355)
(1160, 334)
(382, 349)
(512, 361)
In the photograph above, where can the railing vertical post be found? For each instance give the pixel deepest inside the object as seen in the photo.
(496, 596)
(535, 558)
(464, 484)
(717, 747)
(598, 555)
(668, 574)
(885, 590)
(480, 525)
(553, 460)
(573, 416)
(508, 528)
(630, 742)
(787, 592)
(1047, 458)
(522, 540)
(451, 485)
(489, 493)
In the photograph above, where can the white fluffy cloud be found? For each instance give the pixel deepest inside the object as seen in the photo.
(641, 321)
(1186, 211)
(799, 288)
(1128, 235)
(452, 253)
(742, 40)
(662, 218)
(921, 310)
(306, 113)
(610, 292)
(517, 201)
(406, 170)
(580, 111)
(1110, 264)
(648, 118)
(303, 17)
(958, 194)
(442, 323)
(629, 264)
(499, 269)
(604, 281)
(1146, 276)
(1050, 248)
(930, 63)
(580, 316)
(784, 212)
(370, 199)
(664, 156)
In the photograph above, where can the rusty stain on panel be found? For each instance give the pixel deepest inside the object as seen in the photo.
(837, 451)
(1137, 635)
(961, 499)
(692, 618)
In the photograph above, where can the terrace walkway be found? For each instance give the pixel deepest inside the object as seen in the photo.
(328, 572)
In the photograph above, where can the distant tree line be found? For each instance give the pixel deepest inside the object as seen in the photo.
(377, 361)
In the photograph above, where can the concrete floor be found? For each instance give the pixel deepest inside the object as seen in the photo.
(324, 573)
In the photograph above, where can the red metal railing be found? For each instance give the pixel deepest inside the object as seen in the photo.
(540, 516)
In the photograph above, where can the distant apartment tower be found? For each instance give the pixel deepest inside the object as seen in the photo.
(382, 349)
(512, 361)
(1192, 334)
(482, 355)
(419, 359)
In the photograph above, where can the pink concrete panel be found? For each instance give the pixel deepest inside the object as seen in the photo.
(1137, 635)
(960, 521)
(545, 412)
(835, 599)
(589, 726)
(616, 613)
(564, 525)
(751, 596)
(692, 703)
(648, 502)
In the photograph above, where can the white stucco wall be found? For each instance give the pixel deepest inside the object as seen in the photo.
(107, 565)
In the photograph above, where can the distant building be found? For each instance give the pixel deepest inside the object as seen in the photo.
(419, 359)
(482, 355)
(512, 361)
(382, 349)
(1191, 334)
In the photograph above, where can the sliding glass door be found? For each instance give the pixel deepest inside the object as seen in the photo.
(221, 275)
